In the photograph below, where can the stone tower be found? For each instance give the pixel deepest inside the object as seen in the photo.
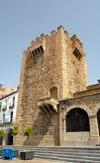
(53, 68)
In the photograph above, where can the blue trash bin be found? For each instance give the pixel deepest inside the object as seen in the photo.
(7, 152)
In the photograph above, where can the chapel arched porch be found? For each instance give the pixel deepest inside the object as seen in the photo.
(78, 126)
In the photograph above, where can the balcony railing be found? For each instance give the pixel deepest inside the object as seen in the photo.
(8, 120)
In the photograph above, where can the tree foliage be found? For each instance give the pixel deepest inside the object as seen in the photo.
(15, 130)
(28, 131)
(2, 133)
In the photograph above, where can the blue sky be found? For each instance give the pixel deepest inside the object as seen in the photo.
(21, 21)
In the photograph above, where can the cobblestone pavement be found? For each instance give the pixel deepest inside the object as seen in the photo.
(17, 160)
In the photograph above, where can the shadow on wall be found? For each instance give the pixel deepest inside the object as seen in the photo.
(45, 131)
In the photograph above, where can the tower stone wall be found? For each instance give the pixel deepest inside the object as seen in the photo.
(55, 61)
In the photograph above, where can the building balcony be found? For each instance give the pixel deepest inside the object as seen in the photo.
(11, 105)
(48, 106)
(8, 120)
(4, 108)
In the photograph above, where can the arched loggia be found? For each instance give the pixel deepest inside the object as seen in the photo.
(77, 120)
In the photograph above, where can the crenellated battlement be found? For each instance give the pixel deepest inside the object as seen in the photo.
(77, 47)
(53, 33)
(66, 33)
(40, 42)
(76, 42)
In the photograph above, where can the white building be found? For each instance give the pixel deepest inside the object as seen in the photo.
(8, 108)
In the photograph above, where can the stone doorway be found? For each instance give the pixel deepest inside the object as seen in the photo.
(10, 138)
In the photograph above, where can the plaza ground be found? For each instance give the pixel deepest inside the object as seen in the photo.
(17, 160)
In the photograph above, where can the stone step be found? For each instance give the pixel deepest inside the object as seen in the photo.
(78, 150)
(68, 153)
(67, 156)
(82, 150)
(62, 149)
(67, 150)
(55, 147)
(71, 160)
(97, 150)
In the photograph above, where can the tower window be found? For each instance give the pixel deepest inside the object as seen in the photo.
(53, 93)
(37, 54)
(77, 53)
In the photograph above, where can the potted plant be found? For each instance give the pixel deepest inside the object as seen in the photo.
(26, 155)
(2, 134)
(15, 132)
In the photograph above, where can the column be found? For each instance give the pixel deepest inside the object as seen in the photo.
(94, 132)
(62, 127)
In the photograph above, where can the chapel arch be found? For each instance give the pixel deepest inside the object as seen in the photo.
(77, 120)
